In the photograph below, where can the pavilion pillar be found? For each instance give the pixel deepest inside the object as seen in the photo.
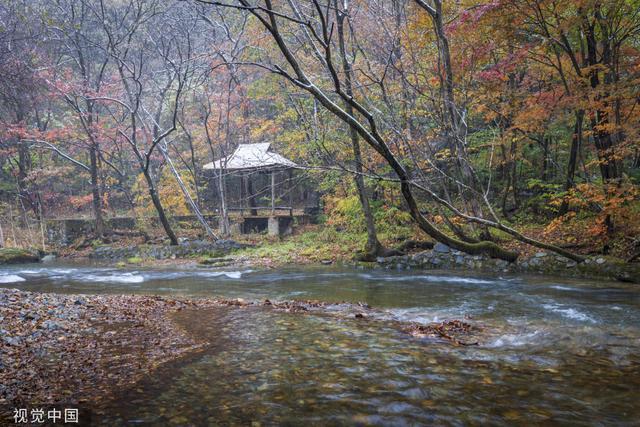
(273, 193)
(242, 193)
(291, 192)
(251, 196)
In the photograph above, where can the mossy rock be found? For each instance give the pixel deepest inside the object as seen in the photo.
(215, 254)
(215, 262)
(135, 260)
(17, 256)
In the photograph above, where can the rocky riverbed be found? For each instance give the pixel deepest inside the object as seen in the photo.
(80, 349)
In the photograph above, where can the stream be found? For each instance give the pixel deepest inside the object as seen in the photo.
(555, 351)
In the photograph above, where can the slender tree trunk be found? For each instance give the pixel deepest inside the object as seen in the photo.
(373, 246)
(454, 120)
(576, 143)
(599, 119)
(24, 165)
(185, 192)
(224, 215)
(95, 191)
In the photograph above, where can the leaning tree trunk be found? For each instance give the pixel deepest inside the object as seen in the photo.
(224, 214)
(159, 209)
(185, 192)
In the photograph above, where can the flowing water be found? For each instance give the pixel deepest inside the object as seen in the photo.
(554, 351)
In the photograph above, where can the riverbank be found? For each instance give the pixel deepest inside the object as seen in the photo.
(295, 252)
(79, 348)
(328, 246)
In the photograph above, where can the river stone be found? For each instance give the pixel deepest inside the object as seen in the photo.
(12, 340)
(541, 254)
(48, 258)
(441, 248)
(51, 325)
(600, 261)
(502, 263)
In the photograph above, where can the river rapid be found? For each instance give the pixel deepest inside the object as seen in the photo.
(553, 351)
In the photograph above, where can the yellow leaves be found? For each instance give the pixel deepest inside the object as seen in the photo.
(532, 118)
(170, 195)
(443, 154)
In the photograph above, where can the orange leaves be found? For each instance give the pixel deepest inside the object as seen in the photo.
(558, 222)
(613, 204)
(79, 202)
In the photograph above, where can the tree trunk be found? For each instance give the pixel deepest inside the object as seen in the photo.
(24, 165)
(373, 246)
(576, 143)
(159, 209)
(185, 192)
(95, 192)
(600, 123)
(224, 215)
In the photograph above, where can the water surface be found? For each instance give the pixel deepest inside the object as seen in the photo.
(553, 351)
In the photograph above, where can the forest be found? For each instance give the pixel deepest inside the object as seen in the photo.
(319, 212)
(495, 127)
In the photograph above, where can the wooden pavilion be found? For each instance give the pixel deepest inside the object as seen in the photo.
(252, 163)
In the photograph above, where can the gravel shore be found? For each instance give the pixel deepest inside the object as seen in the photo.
(80, 348)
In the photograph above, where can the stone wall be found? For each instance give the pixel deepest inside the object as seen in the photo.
(66, 231)
(185, 249)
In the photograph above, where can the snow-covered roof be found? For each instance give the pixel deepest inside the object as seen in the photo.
(251, 156)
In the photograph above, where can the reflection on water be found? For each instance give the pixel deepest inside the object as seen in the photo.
(553, 351)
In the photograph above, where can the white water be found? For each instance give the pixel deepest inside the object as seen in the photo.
(114, 278)
(569, 312)
(428, 278)
(10, 278)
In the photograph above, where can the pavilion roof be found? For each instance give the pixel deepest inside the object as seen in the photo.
(251, 157)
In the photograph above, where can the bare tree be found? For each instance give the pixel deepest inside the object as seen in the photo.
(153, 73)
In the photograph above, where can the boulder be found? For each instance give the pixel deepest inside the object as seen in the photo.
(441, 248)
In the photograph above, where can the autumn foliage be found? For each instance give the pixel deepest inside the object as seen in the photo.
(527, 117)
